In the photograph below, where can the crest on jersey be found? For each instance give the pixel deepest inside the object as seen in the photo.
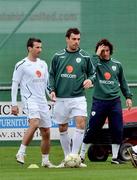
(78, 60)
(114, 68)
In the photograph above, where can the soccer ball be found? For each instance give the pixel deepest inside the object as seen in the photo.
(72, 160)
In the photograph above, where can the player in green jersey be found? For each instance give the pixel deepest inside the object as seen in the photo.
(110, 80)
(71, 73)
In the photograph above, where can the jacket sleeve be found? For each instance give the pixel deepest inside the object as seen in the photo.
(14, 92)
(90, 70)
(52, 74)
(123, 84)
(17, 76)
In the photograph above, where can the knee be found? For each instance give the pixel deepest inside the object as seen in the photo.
(63, 127)
(81, 125)
(45, 133)
(80, 122)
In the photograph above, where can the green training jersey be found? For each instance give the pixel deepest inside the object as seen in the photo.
(110, 79)
(68, 71)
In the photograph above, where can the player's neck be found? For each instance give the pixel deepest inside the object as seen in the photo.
(71, 50)
(32, 58)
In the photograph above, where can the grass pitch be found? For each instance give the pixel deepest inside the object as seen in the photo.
(11, 170)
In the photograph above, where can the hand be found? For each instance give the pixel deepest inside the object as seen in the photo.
(15, 110)
(87, 84)
(129, 103)
(99, 50)
(53, 96)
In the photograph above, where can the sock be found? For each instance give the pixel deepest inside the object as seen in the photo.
(77, 140)
(115, 149)
(134, 148)
(22, 149)
(83, 151)
(45, 157)
(65, 142)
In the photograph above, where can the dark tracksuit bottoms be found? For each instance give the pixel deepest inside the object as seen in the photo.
(102, 109)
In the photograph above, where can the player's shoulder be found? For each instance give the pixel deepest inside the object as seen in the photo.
(42, 62)
(115, 61)
(21, 63)
(60, 52)
(83, 53)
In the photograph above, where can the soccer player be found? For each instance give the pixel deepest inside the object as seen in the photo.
(110, 80)
(31, 74)
(71, 72)
(133, 155)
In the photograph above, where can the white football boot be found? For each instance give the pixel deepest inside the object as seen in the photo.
(47, 164)
(20, 158)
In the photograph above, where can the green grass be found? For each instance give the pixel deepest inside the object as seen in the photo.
(10, 170)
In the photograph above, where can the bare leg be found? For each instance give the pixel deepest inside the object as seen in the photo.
(45, 142)
(33, 125)
(45, 147)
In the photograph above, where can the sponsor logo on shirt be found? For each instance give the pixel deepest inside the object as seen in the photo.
(38, 80)
(69, 69)
(107, 75)
(73, 76)
(106, 82)
(38, 73)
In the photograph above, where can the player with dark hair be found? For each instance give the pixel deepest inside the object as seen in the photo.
(110, 80)
(31, 74)
(71, 72)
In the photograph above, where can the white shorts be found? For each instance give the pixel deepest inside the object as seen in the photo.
(38, 110)
(68, 108)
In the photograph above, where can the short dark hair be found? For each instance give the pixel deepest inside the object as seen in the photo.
(31, 41)
(104, 42)
(72, 30)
